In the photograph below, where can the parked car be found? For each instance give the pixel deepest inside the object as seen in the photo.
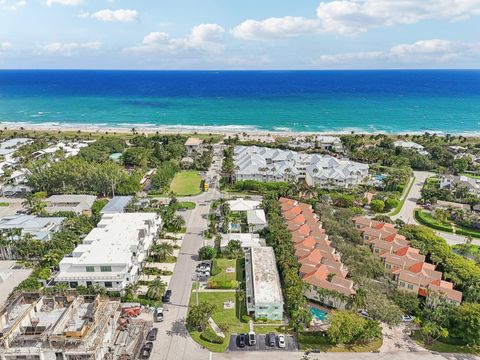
(166, 297)
(281, 341)
(204, 274)
(241, 340)
(407, 318)
(147, 350)
(252, 338)
(203, 267)
(271, 339)
(152, 334)
(158, 314)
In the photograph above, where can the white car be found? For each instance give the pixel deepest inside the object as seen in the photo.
(281, 341)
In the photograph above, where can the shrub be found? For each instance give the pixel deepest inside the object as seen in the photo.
(209, 335)
(391, 203)
(207, 253)
(377, 206)
(427, 220)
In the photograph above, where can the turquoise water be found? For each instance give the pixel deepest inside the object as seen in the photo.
(318, 314)
(316, 101)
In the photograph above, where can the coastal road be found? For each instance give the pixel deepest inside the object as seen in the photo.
(173, 340)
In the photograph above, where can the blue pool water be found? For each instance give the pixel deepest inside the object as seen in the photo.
(318, 314)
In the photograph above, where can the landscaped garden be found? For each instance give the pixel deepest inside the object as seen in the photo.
(225, 274)
(186, 183)
(230, 320)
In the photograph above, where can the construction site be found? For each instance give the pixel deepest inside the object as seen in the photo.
(64, 327)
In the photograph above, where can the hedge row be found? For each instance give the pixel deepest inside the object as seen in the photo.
(209, 335)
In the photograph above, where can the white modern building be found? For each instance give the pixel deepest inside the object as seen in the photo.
(247, 240)
(113, 253)
(241, 204)
(275, 165)
(411, 145)
(263, 291)
(256, 220)
(11, 145)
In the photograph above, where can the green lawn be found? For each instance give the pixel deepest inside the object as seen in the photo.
(220, 275)
(428, 220)
(444, 347)
(316, 340)
(4, 204)
(473, 176)
(186, 183)
(404, 198)
(222, 317)
(189, 205)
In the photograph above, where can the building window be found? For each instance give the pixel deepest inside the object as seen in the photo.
(402, 284)
(89, 283)
(108, 284)
(90, 268)
(388, 266)
(105, 268)
(410, 286)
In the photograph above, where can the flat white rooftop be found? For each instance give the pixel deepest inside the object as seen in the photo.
(266, 281)
(111, 241)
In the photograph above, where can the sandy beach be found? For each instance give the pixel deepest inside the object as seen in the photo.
(204, 130)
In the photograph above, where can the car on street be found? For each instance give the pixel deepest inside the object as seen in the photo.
(281, 341)
(252, 338)
(166, 297)
(147, 350)
(241, 340)
(158, 314)
(271, 339)
(152, 334)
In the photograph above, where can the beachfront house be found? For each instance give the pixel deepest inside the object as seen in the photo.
(411, 145)
(193, 145)
(263, 290)
(276, 165)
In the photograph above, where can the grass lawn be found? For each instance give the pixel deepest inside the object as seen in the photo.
(220, 275)
(444, 347)
(403, 199)
(428, 220)
(186, 183)
(316, 340)
(277, 329)
(4, 204)
(222, 317)
(473, 176)
(189, 205)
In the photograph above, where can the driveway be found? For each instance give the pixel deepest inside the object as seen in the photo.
(406, 213)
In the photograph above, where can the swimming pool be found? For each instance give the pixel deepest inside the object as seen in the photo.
(318, 314)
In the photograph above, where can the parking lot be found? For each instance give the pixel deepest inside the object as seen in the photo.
(261, 345)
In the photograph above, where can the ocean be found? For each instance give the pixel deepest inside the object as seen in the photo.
(403, 101)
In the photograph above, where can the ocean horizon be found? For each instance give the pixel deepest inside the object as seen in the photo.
(329, 101)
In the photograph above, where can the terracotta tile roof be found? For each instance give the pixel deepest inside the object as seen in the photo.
(292, 213)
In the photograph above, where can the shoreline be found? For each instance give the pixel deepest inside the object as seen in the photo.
(229, 130)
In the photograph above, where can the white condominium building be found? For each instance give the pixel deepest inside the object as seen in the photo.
(273, 165)
(113, 253)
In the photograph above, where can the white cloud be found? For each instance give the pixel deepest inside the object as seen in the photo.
(64, 2)
(5, 46)
(68, 49)
(351, 17)
(203, 38)
(121, 15)
(12, 5)
(429, 52)
(288, 26)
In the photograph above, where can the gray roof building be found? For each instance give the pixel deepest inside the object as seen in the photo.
(42, 228)
(116, 205)
(78, 204)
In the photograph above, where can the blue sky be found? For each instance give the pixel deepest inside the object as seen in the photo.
(247, 34)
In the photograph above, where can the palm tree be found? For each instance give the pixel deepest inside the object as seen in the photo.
(163, 250)
(156, 289)
(240, 299)
(177, 223)
(357, 300)
(131, 290)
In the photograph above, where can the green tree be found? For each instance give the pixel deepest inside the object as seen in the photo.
(163, 250)
(233, 249)
(207, 252)
(345, 327)
(198, 315)
(156, 289)
(465, 324)
(377, 206)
